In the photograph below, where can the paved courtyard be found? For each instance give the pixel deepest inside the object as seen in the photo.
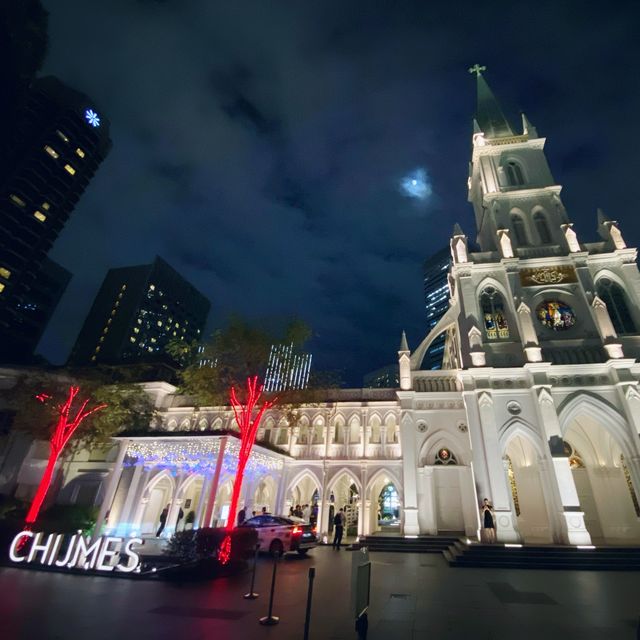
(413, 596)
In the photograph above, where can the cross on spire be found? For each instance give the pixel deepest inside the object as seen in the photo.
(477, 69)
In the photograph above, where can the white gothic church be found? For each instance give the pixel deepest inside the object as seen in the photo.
(537, 408)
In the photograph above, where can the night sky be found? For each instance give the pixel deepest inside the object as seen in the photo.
(260, 147)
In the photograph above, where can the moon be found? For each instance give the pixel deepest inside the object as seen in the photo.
(416, 185)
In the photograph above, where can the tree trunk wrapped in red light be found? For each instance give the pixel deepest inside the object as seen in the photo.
(66, 426)
(248, 425)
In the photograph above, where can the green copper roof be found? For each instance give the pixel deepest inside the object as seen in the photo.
(489, 114)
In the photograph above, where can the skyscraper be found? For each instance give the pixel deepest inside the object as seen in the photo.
(59, 140)
(138, 311)
(287, 368)
(436, 296)
(38, 305)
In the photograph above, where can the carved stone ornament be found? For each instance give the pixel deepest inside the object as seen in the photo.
(514, 408)
(547, 275)
(462, 427)
(422, 427)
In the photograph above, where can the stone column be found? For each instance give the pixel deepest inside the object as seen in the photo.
(364, 475)
(132, 495)
(175, 505)
(201, 502)
(571, 516)
(213, 487)
(428, 513)
(470, 511)
(411, 525)
(140, 502)
(499, 491)
(112, 486)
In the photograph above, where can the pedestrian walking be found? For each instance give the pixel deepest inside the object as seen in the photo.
(163, 520)
(338, 525)
(488, 521)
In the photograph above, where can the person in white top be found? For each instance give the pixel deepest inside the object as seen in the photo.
(306, 512)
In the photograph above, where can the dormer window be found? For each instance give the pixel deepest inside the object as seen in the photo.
(515, 175)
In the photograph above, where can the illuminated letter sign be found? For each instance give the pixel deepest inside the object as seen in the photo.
(108, 553)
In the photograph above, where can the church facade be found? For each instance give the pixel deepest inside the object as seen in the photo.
(537, 408)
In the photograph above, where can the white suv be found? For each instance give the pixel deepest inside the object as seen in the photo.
(280, 535)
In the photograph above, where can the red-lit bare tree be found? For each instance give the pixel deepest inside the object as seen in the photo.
(248, 416)
(67, 422)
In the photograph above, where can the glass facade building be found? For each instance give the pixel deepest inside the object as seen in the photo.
(436, 296)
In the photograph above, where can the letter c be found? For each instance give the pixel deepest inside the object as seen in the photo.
(16, 545)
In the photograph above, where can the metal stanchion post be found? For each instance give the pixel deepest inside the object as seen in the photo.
(252, 595)
(307, 618)
(270, 619)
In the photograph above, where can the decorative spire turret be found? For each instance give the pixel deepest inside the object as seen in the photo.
(489, 115)
(527, 128)
(404, 363)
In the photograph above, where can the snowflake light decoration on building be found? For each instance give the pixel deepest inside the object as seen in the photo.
(92, 117)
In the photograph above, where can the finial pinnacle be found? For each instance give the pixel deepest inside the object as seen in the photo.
(477, 69)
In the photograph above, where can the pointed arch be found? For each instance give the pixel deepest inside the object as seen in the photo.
(541, 223)
(518, 426)
(393, 478)
(439, 439)
(496, 318)
(611, 291)
(586, 403)
(343, 471)
(156, 479)
(300, 476)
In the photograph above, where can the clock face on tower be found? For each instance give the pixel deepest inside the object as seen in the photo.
(556, 315)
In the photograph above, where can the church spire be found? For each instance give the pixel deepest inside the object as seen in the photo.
(489, 115)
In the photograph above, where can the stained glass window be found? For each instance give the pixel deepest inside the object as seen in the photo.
(556, 315)
(512, 483)
(495, 320)
(444, 456)
(616, 300)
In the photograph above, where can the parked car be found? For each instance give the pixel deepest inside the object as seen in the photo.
(280, 535)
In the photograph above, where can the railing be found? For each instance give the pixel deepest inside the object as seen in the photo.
(434, 381)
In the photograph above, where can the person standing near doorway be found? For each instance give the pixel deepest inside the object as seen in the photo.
(338, 525)
(163, 520)
(242, 514)
(488, 521)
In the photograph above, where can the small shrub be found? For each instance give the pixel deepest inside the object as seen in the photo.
(67, 518)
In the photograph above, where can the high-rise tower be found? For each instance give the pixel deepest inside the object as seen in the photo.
(137, 313)
(59, 141)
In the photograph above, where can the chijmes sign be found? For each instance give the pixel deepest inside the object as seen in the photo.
(107, 553)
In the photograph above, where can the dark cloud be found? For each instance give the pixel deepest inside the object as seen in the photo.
(258, 147)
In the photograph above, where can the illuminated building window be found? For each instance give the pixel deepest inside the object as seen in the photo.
(101, 338)
(1, 287)
(80, 152)
(139, 321)
(105, 330)
(97, 348)
(17, 200)
(136, 329)
(46, 206)
(69, 169)
(5, 273)
(495, 319)
(113, 312)
(152, 287)
(62, 136)
(51, 151)
(153, 340)
(108, 320)
(150, 349)
(123, 287)
(93, 358)
(38, 215)
(132, 339)
(159, 323)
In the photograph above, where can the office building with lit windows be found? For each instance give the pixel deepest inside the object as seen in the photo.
(287, 369)
(436, 297)
(58, 142)
(138, 311)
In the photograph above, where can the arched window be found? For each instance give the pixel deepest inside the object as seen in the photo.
(515, 176)
(519, 230)
(493, 314)
(616, 300)
(444, 456)
(540, 221)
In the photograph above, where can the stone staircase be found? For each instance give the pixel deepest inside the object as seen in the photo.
(398, 543)
(460, 554)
